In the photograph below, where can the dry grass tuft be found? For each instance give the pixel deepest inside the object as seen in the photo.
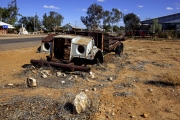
(172, 77)
(154, 51)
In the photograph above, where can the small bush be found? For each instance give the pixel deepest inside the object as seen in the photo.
(163, 35)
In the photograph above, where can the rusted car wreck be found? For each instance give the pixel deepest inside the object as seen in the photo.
(71, 51)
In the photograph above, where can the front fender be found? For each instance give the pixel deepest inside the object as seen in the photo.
(95, 52)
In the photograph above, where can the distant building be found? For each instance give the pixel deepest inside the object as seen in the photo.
(4, 27)
(168, 22)
(73, 28)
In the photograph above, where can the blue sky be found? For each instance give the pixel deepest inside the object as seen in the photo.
(72, 10)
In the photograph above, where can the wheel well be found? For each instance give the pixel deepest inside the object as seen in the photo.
(99, 56)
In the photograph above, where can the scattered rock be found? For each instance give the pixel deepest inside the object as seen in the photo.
(81, 102)
(44, 76)
(113, 114)
(34, 71)
(92, 76)
(132, 116)
(46, 72)
(10, 84)
(71, 77)
(110, 79)
(32, 67)
(86, 90)
(150, 90)
(124, 94)
(31, 82)
(58, 74)
(90, 73)
(144, 115)
(83, 75)
(64, 75)
(74, 76)
(63, 82)
(94, 89)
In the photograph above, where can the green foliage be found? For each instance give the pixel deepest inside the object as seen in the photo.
(107, 28)
(9, 14)
(106, 17)
(121, 28)
(94, 14)
(30, 22)
(131, 21)
(52, 21)
(155, 27)
(112, 17)
(116, 15)
(115, 28)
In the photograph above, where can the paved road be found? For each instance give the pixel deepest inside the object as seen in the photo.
(16, 43)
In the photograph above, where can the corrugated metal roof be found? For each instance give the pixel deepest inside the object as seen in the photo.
(173, 21)
(49, 38)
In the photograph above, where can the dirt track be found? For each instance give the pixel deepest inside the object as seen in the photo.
(138, 89)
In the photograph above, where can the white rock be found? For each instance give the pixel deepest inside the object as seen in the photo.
(58, 74)
(94, 89)
(47, 72)
(44, 76)
(63, 82)
(32, 67)
(31, 82)
(91, 73)
(81, 102)
(150, 89)
(10, 84)
(74, 76)
(86, 90)
(64, 74)
(92, 76)
(70, 78)
(110, 78)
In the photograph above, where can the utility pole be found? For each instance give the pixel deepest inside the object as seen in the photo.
(75, 27)
(34, 23)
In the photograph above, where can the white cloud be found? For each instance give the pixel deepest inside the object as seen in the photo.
(177, 8)
(84, 10)
(169, 8)
(51, 6)
(101, 0)
(125, 10)
(140, 6)
(138, 15)
(177, 4)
